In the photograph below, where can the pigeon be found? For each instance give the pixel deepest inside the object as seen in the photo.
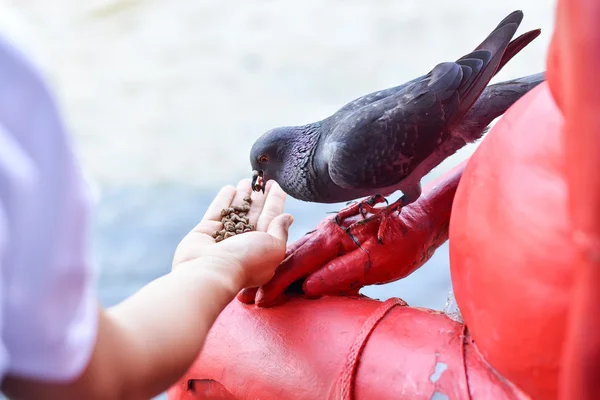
(388, 140)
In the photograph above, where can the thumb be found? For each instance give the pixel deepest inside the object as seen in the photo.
(279, 227)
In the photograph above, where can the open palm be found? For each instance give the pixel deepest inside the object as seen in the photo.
(253, 255)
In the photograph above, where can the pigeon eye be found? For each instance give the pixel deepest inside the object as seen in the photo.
(263, 159)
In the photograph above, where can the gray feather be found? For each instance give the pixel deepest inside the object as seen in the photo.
(389, 139)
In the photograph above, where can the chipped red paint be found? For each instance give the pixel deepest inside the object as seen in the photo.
(256, 353)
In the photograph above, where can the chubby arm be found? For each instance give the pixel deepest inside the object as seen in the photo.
(145, 343)
(148, 341)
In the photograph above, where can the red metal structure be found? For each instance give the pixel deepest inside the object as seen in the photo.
(523, 218)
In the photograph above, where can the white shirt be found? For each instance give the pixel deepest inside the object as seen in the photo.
(48, 308)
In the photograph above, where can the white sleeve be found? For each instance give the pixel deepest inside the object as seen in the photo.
(48, 310)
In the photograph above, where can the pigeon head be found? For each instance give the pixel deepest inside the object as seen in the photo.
(268, 157)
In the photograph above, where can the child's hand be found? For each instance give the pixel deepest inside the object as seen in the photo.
(250, 257)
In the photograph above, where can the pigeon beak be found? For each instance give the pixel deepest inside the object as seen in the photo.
(257, 181)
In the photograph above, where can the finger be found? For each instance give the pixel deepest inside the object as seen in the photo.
(208, 227)
(273, 207)
(258, 202)
(192, 245)
(243, 189)
(222, 200)
(342, 275)
(225, 198)
(279, 227)
(247, 295)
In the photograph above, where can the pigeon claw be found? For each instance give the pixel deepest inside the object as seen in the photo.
(370, 204)
(383, 216)
(361, 207)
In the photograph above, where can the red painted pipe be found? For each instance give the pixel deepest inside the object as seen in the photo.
(340, 348)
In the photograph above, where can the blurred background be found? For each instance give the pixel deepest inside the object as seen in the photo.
(164, 100)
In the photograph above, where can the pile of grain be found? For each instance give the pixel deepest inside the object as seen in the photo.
(235, 221)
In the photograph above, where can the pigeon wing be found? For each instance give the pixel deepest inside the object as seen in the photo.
(381, 143)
